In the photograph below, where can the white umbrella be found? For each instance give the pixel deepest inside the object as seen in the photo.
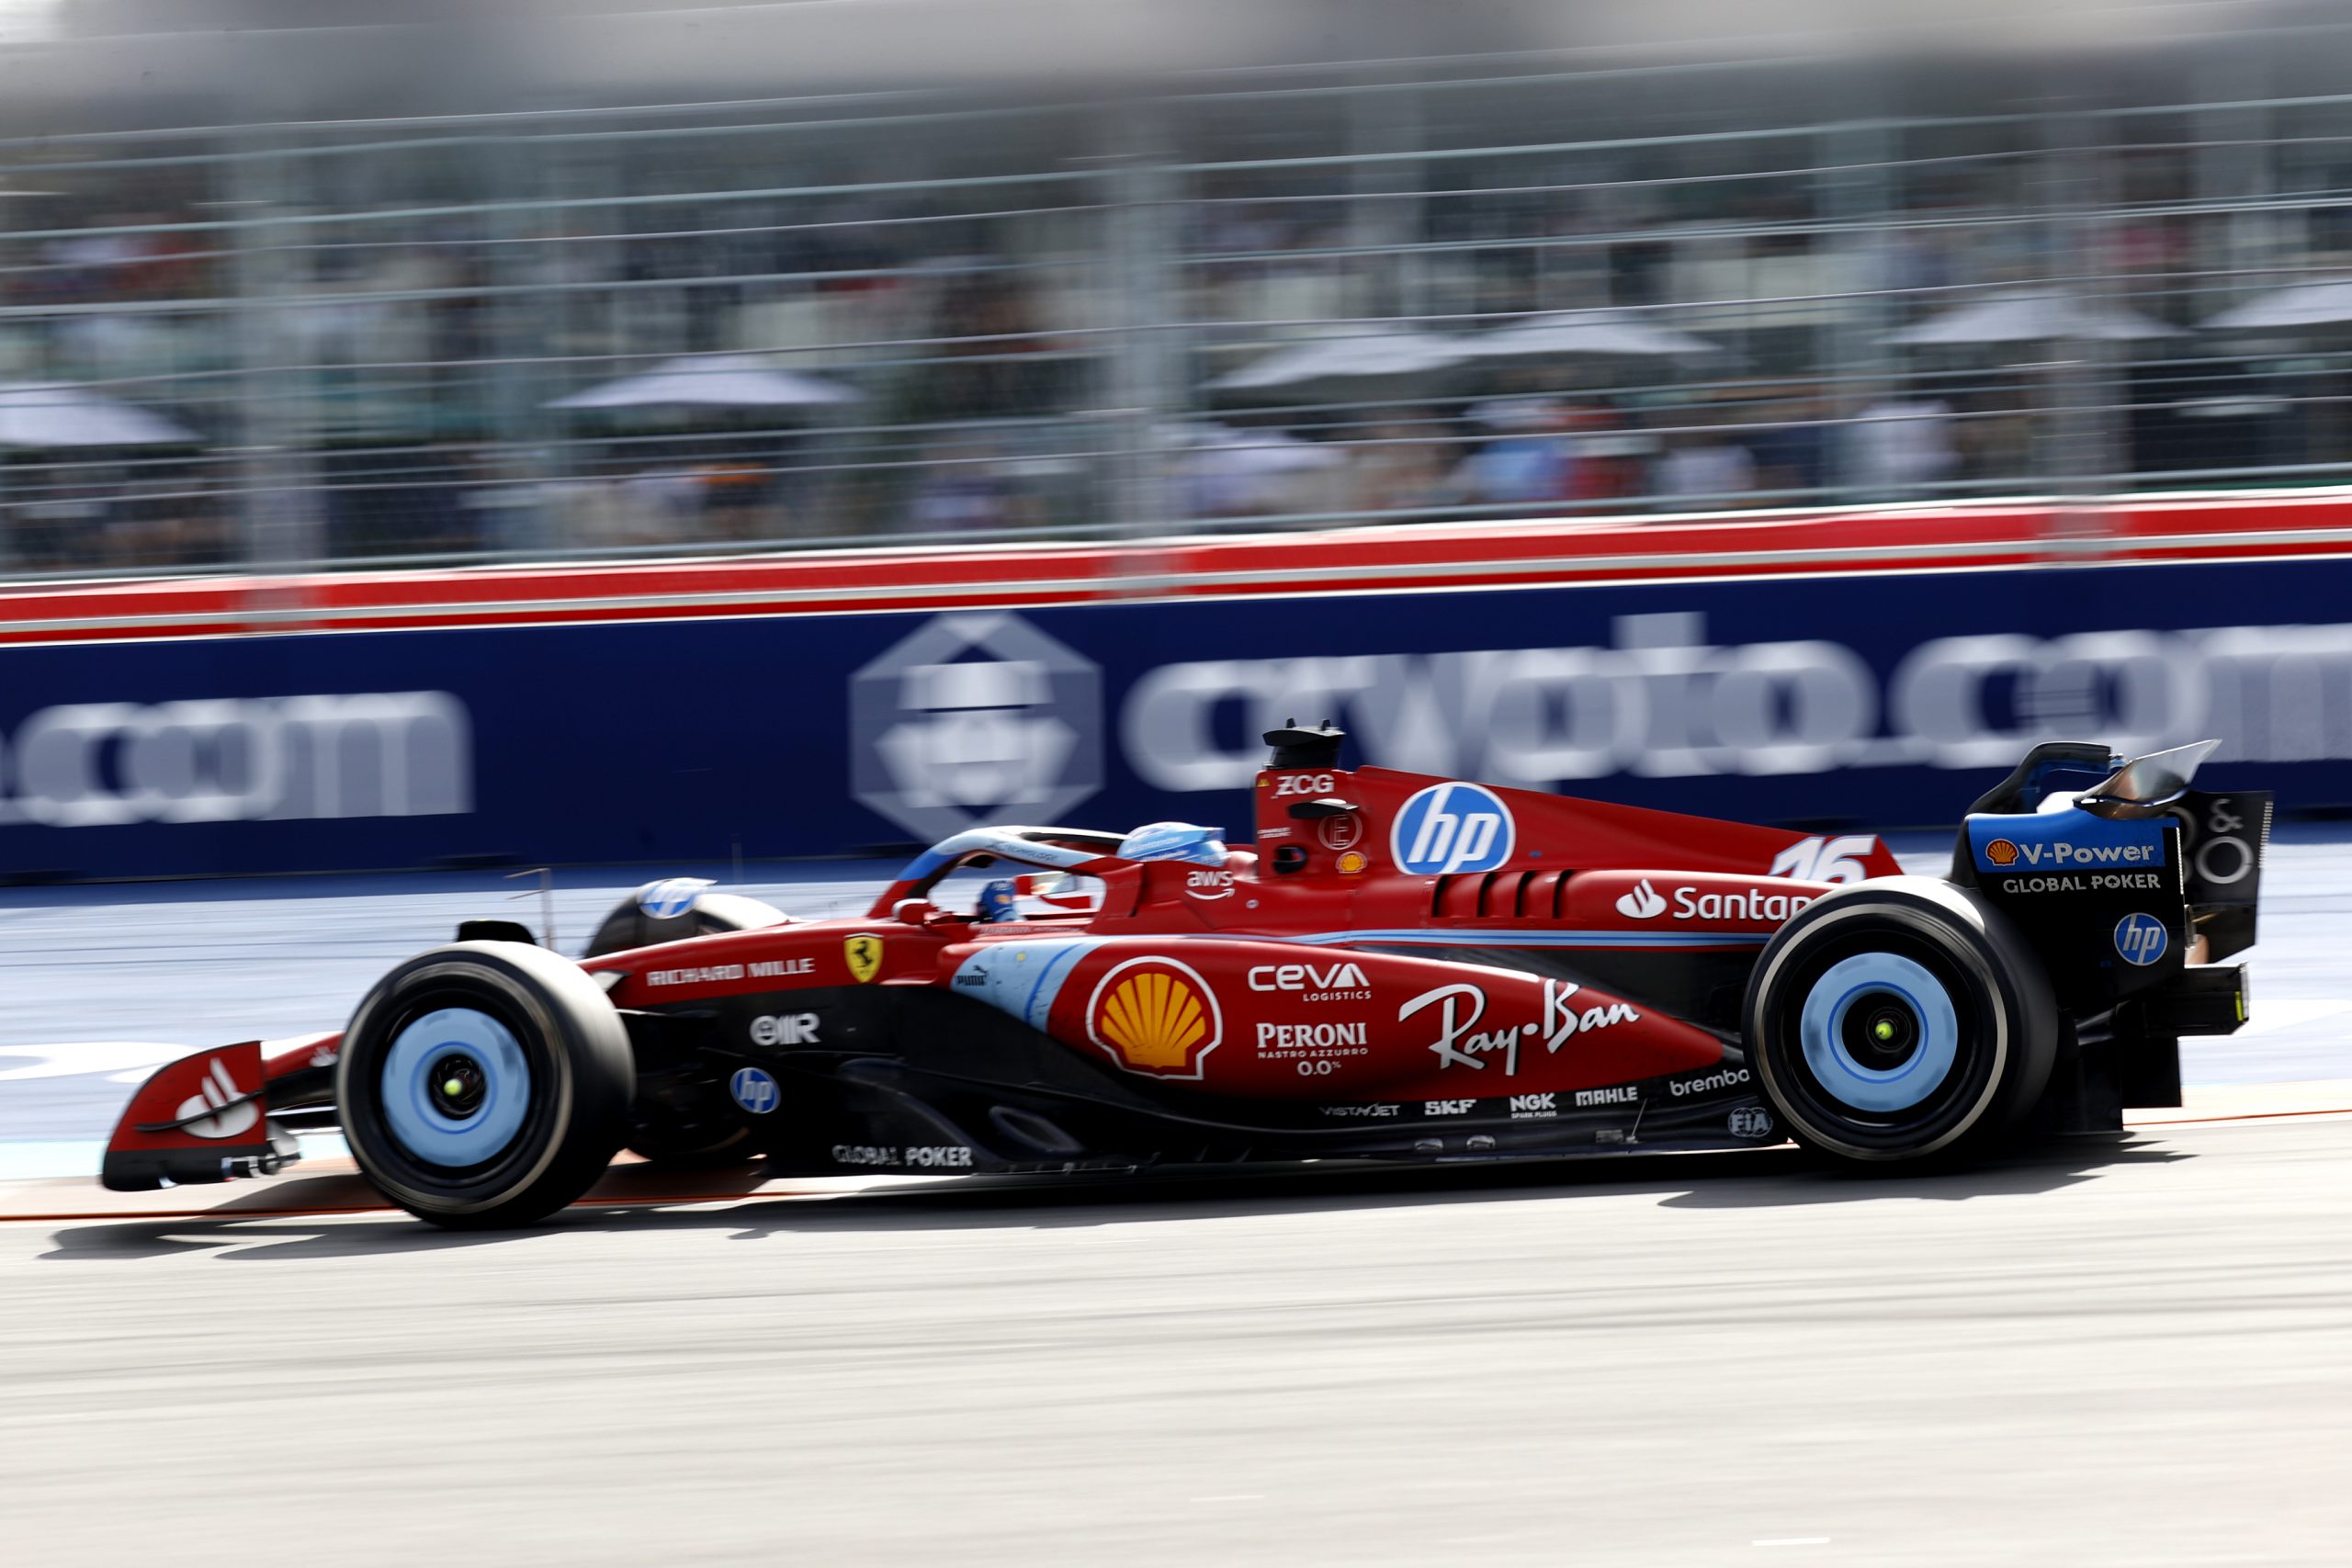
(2321, 303)
(2033, 315)
(1385, 353)
(1597, 333)
(726, 380)
(56, 415)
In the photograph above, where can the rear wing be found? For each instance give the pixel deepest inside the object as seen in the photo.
(2223, 837)
(2224, 841)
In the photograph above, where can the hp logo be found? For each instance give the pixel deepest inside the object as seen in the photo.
(1451, 827)
(754, 1091)
(2141, 939)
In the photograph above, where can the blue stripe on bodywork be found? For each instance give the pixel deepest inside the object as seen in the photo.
(1428, 937)
(1021, 978)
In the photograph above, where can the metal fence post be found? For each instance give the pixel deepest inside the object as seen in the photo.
(1147, 388)
(275, 415)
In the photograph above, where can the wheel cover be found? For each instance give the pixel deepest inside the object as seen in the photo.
(1870, 984)
(456, 1088)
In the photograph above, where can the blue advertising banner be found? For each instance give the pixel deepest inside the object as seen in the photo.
(1878, 702)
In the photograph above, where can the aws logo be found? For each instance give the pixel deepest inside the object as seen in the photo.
(1155, 1016)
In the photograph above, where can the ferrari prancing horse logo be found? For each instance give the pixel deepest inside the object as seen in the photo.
(864, 954)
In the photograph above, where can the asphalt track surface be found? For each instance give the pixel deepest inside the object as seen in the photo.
(2119, 1350)
(2133, 1351)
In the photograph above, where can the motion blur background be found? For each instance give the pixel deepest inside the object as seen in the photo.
(285, 283)
(1062, 394)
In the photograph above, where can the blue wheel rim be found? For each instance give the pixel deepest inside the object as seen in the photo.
(419, 1123)
(1846, 1078)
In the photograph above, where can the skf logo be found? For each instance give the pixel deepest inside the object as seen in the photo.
(1447, 1107)
(1202, 882)
(1155, 1016)
(2000, 851)
(863, 952)
(1642, 903)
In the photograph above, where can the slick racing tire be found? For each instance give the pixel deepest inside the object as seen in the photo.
(1900, 1021)
(484, 1084)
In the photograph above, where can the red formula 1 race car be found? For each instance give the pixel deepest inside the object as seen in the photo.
(1403, 968)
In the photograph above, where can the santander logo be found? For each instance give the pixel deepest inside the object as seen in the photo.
(1643, 903)
(221, 1111)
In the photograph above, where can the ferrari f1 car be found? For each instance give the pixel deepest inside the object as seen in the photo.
(1403, 968)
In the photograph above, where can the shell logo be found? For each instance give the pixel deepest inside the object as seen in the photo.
(2000, 851)
(1155, 1016)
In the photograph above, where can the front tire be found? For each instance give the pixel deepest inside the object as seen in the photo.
(1900, 1021)
(484, 1084)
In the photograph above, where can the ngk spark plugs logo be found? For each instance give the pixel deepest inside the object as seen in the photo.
(975, 719)
(239, 760)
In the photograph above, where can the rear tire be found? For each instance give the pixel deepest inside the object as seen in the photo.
(484, 1084)
(1900, 1021)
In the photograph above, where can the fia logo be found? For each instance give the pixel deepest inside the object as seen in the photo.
(1451, 827)
(2141, 939)
(1750, 1122)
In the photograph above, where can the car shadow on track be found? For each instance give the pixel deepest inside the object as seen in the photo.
(1762, 1178)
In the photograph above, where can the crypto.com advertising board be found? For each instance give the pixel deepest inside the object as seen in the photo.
(1878, 700)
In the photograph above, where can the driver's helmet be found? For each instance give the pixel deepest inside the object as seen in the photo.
(1000, 900)
(1175, 841)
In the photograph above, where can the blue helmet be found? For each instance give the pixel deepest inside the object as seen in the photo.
(1000, 900)
(1175, 841)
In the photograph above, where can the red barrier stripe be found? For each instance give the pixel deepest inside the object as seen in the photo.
(1404, 557)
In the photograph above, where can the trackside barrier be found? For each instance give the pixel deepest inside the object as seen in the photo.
(623, 714)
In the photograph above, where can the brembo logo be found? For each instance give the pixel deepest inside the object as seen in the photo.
(239, 760)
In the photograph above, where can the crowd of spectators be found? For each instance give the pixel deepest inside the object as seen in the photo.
(412, 368)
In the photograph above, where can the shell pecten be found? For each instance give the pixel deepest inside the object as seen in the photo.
(1155, 1019)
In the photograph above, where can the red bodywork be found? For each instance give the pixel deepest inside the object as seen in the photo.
(1255, 982)
(1289, 974)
